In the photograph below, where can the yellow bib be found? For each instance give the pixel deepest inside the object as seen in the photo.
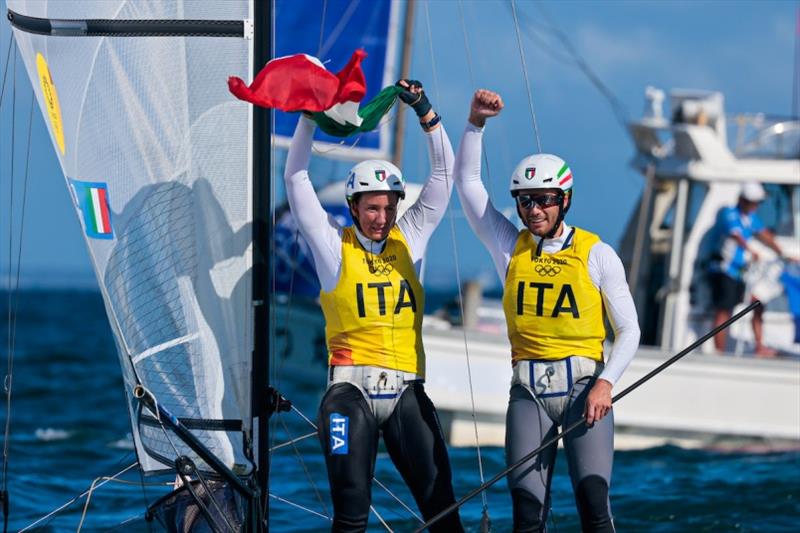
(374, 314)
(553, 310)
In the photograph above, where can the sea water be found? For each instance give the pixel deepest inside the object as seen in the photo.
(69, 427)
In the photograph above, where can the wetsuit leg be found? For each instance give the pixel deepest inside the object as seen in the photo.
(590, 453)
(414, 440)
(527, 426)
(348, 433)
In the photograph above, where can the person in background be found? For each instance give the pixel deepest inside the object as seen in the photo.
(373, 303)
(560, 284)
(734, 230)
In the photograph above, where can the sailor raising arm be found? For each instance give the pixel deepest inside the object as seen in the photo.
(373, 304)
(560, 282)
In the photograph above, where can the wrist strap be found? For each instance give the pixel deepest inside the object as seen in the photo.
(434, 121)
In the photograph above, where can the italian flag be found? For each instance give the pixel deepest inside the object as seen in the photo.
(93, 202)
(301, 82)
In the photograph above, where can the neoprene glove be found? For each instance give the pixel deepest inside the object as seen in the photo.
(419, 101)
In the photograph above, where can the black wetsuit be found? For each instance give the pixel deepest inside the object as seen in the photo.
(414, 440)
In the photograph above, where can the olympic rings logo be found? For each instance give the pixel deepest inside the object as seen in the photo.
(548, 270)
(382, 269)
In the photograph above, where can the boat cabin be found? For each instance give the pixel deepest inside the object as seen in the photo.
(695, 160)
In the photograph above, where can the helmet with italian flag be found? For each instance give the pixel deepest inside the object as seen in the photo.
(541, 171)
(374, 175)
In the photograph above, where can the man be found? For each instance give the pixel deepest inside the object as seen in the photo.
(560, 283)
(373, 304)
(734, 230)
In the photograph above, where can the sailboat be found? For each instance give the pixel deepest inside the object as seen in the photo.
(228, 135)
(168, 174)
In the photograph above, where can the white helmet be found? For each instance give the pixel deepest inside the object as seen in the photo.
(753, 192)
(541, 171)
(374, 175)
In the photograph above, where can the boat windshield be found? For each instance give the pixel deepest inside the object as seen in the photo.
(781, 210)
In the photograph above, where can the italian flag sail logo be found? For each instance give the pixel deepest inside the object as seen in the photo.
(380, 175)
(91, 198)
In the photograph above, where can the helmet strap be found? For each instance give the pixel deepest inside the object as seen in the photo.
(350, 205)
(559, 220)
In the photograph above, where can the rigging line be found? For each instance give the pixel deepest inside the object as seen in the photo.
(582, 421)
(89, 497)
(474, 86)
(305, 468)
(14, 312)
(197, 472)
(398, 500)
(796, 77)
(209, 493)
(293, 264)
(9, 377)
(291, 442)
(21, 230)
(525, 72)
(620, 111)
(52, 513)
(380, 518)
(298, 506)
(458, 279)
(128, 521)
(5, 69)
(322, 26)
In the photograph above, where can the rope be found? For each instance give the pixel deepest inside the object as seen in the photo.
(472, 82)
(525, 72)
(94, 486)
(620, 112)
(8, 381)
(458, 278)
(298, 506)
(305, 468)
(291, 442)
(5, 69)
(322, 26)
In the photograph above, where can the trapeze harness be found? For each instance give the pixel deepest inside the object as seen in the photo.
(555, 294)
(373, 305)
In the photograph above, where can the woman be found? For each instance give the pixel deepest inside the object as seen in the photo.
(560, 283)
(373, 304)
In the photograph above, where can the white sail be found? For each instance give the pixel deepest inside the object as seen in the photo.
(156, 154)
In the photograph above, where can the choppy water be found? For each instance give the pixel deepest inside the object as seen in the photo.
(69, 426)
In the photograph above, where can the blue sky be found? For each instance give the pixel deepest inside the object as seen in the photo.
(744, 49)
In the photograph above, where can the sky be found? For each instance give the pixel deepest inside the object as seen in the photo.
(744, 49)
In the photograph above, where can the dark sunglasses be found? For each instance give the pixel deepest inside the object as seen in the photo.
(526, 201)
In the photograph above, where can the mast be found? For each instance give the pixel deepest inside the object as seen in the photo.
(262, 42)
(400, 123)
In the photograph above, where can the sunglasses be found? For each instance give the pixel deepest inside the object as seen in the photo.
(527, 201)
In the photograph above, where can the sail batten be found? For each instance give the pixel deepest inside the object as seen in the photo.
(128, 28)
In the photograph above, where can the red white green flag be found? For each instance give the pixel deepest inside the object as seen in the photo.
(301, 83)
(92, 200)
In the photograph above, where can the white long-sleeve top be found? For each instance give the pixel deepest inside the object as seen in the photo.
(499, 235)
(324, 234)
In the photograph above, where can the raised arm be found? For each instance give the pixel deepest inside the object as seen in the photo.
(320, 230)
(496, 232)
(422, 218)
